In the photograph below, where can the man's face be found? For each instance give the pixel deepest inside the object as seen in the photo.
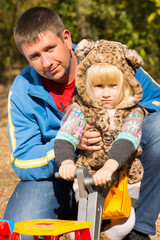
(50, 55)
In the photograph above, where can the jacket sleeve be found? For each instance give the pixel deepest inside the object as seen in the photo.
(129, 137)
(69, 135)
(31, 157)
(151, 91)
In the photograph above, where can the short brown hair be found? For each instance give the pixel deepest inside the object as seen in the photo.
(34, 21)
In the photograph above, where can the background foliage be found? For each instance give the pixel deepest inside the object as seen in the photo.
(134, 23)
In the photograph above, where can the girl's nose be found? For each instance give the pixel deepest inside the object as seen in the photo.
(106, 91)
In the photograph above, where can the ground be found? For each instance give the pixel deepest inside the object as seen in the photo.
(8, 178)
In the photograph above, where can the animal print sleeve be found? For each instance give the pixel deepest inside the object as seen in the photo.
(129, 137)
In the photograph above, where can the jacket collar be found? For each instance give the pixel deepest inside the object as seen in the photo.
(38, 90)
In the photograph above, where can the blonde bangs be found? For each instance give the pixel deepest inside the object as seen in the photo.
(103, 73)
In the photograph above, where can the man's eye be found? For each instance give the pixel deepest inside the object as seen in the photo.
(50, 49)
(34, 57)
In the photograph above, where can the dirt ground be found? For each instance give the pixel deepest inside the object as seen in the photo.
(8, 178)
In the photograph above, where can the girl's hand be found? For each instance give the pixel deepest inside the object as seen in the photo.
(67, 170)
(103, 175)
(89, 138)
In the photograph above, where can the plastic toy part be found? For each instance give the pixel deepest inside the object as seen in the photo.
(50, 229)
(118, 201)
(4, 230)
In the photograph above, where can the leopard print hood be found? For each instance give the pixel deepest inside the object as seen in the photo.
(115, 53)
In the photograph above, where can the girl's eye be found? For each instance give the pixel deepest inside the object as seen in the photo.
(104, 85)
(113, 85)
(99, 86)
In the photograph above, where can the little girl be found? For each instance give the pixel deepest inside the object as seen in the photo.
(106, 86)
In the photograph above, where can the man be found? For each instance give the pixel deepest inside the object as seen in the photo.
(37, 100)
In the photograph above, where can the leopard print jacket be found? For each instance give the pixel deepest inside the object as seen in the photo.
(127, 61)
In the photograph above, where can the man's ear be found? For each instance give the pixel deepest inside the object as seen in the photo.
(67, 39)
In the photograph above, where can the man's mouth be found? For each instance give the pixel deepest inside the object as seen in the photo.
(53, 70)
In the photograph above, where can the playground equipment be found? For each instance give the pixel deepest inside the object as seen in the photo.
(96, 203)
(51, 229)
(6, 228)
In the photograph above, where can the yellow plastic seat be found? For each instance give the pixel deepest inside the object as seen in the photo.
(118, 201)
(51, 229)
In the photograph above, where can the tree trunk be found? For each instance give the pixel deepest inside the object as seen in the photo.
(84, 13)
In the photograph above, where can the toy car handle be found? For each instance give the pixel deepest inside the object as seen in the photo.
(87, 180)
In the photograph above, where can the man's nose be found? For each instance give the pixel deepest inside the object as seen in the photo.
(46, 61)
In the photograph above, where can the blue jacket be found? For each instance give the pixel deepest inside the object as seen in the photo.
(34, 121)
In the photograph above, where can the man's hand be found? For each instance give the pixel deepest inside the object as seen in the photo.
(104, 174)
(89, 138)
(67, 170)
